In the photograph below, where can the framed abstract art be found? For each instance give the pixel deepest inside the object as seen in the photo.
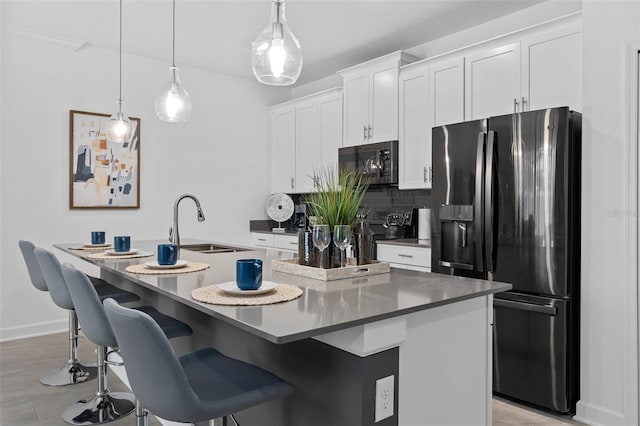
(102, 174)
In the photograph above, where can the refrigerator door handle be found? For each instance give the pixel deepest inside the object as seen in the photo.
(522, 306)
(478, 218)
(488, 201)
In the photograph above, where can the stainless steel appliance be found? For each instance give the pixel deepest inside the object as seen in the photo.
(506, 207)
(300, 216)
(378, 161)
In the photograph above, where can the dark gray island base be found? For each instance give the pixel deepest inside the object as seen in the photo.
(431, 332)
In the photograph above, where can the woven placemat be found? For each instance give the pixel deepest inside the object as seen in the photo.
(103, 248)
(143, 269)
(106, 256)
(214, 295)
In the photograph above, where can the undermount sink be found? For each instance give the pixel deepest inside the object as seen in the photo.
(210, 248)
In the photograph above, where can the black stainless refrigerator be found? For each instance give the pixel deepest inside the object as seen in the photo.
(506, 207)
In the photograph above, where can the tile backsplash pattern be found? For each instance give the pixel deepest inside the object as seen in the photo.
(389, 198)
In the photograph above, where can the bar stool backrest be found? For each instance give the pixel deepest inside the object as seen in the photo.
(52, 272)
(88, 306)
(35, 274)
(153, 369)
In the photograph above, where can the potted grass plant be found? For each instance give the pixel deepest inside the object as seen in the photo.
(337, 202)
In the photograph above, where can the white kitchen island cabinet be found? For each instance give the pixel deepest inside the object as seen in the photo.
(428, 337)
(371, 99)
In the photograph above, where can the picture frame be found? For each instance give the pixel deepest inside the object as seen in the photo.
(102, 174)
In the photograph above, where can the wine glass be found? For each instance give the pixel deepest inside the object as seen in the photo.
(321, 237)
(342, 238)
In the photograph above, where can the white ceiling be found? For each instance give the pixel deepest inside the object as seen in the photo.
(216, 35)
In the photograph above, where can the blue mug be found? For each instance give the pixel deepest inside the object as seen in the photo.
(248, 274)
(97, 237)
(122, 243)
(167, 254)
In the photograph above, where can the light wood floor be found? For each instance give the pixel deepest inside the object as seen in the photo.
(25, 402)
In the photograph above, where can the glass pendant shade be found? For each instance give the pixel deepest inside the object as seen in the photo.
(173, 103)
(276, 55)
(118, 127)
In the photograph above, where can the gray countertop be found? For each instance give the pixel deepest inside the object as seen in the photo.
(324, 306)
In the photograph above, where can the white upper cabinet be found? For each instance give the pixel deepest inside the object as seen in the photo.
(431, 94)
(414, 147)
(283, 149)
(552, 69)
(371, 99)
(356, 108)
(446, 88)
(492, 82)
(307, 145)
(330, 124)
(305, 136)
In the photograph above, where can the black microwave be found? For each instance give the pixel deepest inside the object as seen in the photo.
(378, 161)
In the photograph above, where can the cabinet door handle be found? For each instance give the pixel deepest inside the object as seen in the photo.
(524, 101)
(430, 173)
(515, 105)
(369, 132)
(364, 134)
(424, 174)
(293, 242)
(405, 255)
(291, 183)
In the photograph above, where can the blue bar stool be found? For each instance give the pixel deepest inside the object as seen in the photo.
(106, 406)
(196, 387)
(74, 371)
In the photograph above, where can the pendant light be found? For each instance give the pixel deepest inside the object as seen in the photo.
(118, 127)
(173, 103)
(276, 55)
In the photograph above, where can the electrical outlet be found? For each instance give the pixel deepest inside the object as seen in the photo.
(384, 398)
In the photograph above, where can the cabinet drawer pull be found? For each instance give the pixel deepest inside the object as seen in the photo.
(293, 242)
(405, 255)
(262, 239)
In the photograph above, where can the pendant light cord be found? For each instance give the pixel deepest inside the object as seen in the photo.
(173, 52)
(120, 62)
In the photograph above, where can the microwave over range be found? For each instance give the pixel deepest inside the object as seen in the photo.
(378, 161)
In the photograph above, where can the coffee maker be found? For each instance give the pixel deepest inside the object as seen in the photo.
(300, 216)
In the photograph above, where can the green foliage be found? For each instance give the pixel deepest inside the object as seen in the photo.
(339, 196)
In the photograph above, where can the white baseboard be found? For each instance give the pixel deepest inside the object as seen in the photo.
(598, 416)
(33, 330)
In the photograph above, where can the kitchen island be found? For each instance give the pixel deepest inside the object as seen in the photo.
(431, 333)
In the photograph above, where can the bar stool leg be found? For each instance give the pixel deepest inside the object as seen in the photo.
(142, 418)
(105, 406)
(73, 372)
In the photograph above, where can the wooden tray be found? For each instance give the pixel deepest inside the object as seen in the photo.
(291, 266)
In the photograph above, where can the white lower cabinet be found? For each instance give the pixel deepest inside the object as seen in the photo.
(287, 242)
(407, 257)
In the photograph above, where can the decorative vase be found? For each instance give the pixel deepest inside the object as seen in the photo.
(364, 244)
(307, 253)
(327, 259)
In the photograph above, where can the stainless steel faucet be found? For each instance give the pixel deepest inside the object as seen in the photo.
(174, 234)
